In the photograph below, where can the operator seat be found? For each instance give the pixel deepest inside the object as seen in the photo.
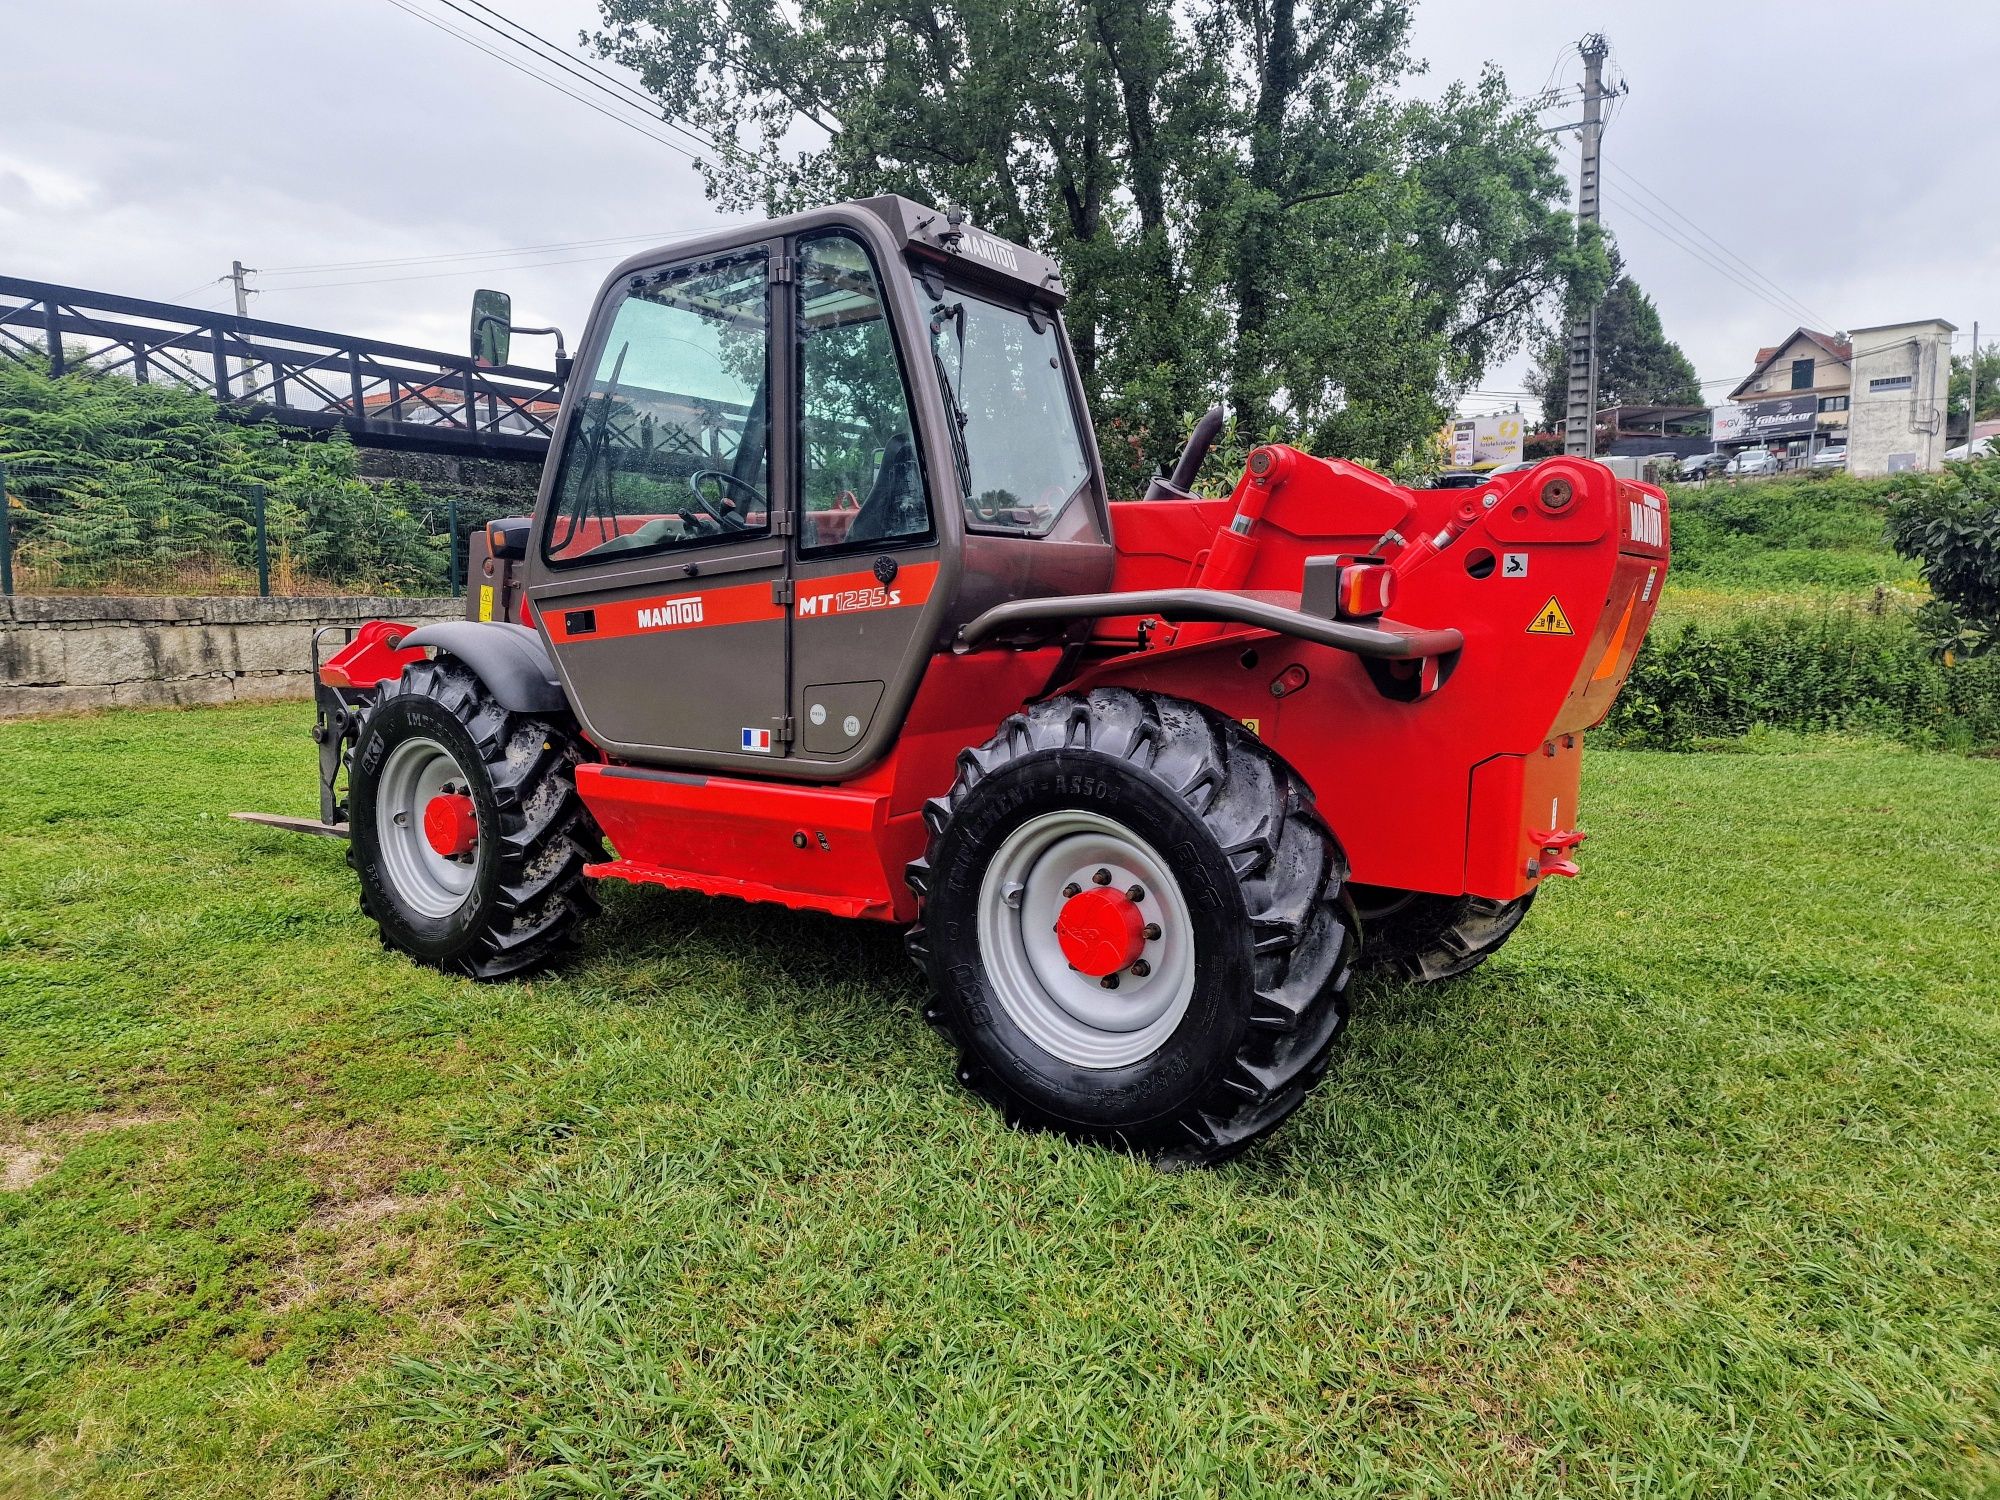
(894, 507)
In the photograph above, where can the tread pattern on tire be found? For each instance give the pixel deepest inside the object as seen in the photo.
(1290, 870)
(547, 835)
(1435, 938)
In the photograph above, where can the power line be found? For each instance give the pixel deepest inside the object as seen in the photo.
(498, 251)
(532, 265)
(622, 92)
(1649, 220)
(478, 46)
(1728, 253)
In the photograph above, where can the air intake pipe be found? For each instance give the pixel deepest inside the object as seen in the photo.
(1178, 485)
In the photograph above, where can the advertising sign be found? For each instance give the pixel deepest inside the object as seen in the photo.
(1483, 442)
(1768, 421)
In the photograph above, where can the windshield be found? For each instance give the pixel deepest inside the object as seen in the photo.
(1022, 456)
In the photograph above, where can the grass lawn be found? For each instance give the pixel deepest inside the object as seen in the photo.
(1695, 1190)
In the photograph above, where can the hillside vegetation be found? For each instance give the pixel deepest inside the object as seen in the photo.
(117, 487)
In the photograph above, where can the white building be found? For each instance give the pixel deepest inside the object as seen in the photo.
(1901, 374)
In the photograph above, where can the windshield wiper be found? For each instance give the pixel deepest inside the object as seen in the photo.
(956, 417)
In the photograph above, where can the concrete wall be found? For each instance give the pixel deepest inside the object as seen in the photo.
(1901, 427)
(62, 654)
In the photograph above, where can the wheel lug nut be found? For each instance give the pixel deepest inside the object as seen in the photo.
(1152, 932)
(1136, 893)
(1109, 981)
(1072, 889)
(1140, 968)
(1102, 877)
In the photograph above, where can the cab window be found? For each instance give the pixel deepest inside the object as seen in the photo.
(1021, 457)
(860, 480)
(670, 446)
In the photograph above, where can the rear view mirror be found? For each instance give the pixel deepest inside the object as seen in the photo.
(492, 327)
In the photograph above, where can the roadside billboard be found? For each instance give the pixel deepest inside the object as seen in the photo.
(1769, 421)
(1483, 442)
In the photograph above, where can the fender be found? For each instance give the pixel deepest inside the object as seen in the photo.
(510, 659)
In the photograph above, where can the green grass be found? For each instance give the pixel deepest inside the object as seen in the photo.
(1693, 1191)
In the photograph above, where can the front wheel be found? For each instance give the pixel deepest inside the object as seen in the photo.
(465, 827)
(1134, 925)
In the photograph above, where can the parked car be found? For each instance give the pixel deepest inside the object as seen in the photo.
(1750, 463)
(1703, 465)
(1986, 447)
(1459, 479)
(1831, 458)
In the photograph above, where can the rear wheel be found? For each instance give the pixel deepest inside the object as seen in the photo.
(1134, 926)
(465, 826)
(1425, 938)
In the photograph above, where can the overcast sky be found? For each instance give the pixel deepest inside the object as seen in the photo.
(1841, 149)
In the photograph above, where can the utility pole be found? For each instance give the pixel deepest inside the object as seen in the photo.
(237, 271)
(1580, 424)
(1972, 396)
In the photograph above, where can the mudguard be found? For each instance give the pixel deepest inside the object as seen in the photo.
(510, 659)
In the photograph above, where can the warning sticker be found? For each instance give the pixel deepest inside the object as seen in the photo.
(1514, 565)
(1255, 726)
(1550, 620)
(486, 601)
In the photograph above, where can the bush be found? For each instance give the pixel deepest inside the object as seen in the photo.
(1816, 528)
(118, 486)
(1950, 523)
(1831, 669)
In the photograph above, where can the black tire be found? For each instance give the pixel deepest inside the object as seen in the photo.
(527, 894)
(1424, 938)
(1261, 877)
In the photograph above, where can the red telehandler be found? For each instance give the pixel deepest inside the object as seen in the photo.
(823, 603)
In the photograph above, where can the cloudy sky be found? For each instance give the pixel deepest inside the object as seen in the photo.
(1774, 164)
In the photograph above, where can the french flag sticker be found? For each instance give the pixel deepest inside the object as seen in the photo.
(758, 740)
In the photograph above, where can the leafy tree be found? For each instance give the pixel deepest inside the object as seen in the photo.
(1989, 382)
(1637, 364)
(1243, 202)
(1949, 522)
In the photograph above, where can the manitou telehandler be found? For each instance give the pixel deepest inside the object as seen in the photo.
(824, 604)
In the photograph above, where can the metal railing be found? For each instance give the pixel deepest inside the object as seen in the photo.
(383, 394)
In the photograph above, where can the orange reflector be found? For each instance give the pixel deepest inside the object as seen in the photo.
(1609, 666)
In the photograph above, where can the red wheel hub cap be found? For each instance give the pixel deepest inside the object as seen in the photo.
(451, 824)
(1101, 931)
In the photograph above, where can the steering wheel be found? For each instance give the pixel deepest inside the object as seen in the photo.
(722, 512)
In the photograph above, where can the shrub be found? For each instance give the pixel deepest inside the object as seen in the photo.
(113, 485)
(1835, 668)
(1950, 523)
(1817, 528)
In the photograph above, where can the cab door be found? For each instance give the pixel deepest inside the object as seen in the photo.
(659, 569)
(869, 551)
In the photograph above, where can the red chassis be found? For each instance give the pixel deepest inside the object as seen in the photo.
(1452, 774)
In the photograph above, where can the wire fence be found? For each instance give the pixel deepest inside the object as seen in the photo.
(154, 529)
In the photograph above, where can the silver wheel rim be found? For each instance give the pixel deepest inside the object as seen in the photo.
(426, 881)
(1064, 1012)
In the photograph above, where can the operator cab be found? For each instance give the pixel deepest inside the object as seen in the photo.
(795, 458)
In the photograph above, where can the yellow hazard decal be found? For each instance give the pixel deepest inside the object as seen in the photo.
(1550, 620)
(1255, 726)
(485, 601)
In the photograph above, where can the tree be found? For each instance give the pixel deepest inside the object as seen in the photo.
(1637, 364)
(1243, 202)
(1989, 382)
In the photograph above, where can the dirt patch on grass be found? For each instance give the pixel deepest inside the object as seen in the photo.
(30, 1155)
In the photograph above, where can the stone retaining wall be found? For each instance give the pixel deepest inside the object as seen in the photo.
(67, 653)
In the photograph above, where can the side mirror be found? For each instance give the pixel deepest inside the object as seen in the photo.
(508, 537)
(492, 327)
